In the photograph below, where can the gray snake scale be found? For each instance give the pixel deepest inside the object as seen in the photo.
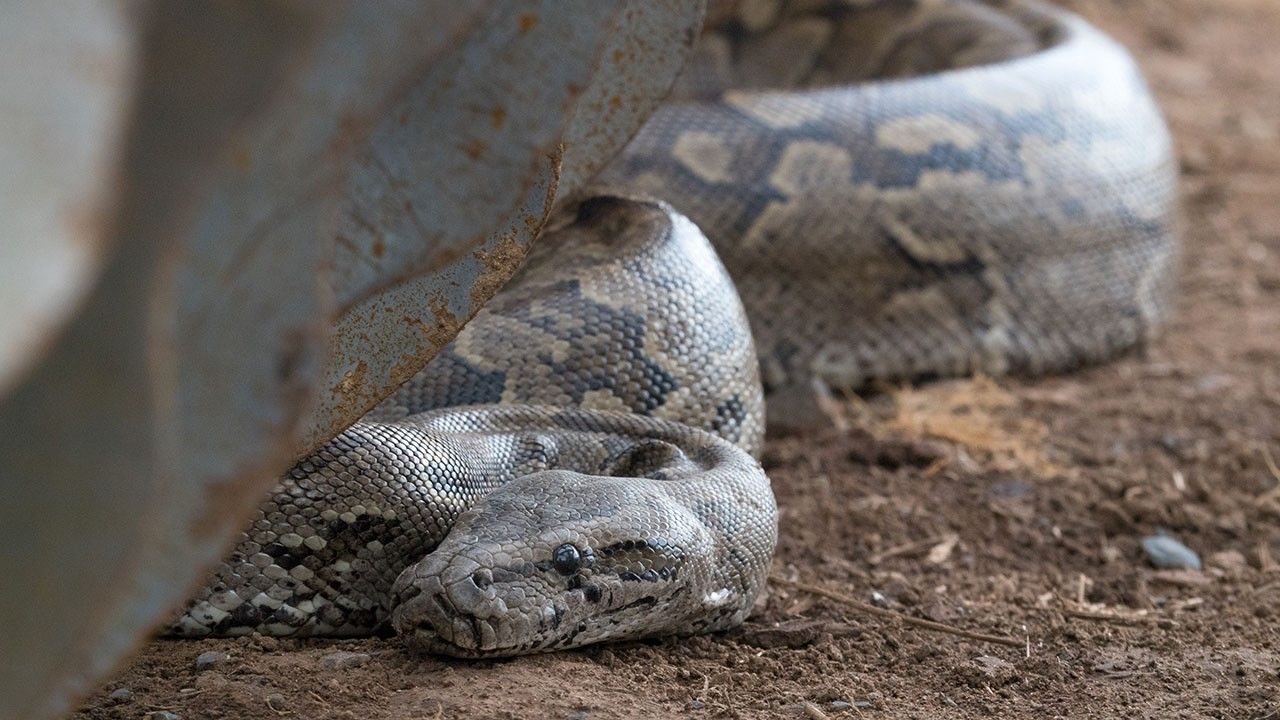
(899, 189)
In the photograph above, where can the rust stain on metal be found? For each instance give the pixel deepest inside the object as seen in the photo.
(347, 394)
(224, 502)
(353, 128)
(527, 22)
(446, 325)
(503, 261)
(450, 255)
(352, 381)
(475, 148)
(346, 242)
(499, 265)
(405, 369)
(441, 333)
(499, 117)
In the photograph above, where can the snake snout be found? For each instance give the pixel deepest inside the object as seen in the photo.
(448, 607)
(426, 617)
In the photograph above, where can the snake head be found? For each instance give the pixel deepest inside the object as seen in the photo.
(558, 559)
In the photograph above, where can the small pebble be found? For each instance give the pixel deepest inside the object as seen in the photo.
(208, 660)
(1230, 560)
(276, 702)
(163, 715)
(343, 660)
(991, 665)
(694, 705)
(839, 705)
(120, 695)
(1212, 381)
(1165, 552)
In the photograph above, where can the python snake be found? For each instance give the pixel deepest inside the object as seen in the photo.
(899, 189)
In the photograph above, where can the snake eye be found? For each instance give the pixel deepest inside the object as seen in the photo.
(566, 559)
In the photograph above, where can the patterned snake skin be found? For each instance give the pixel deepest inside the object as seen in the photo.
(898, 189)
(1004, 218)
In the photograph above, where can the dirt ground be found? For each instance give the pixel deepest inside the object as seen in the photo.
(1002, 507)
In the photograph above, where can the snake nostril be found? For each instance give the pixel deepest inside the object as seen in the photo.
(404, 592)
(483, 578)
(406, 587)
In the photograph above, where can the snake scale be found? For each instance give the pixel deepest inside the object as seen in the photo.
(901, 189)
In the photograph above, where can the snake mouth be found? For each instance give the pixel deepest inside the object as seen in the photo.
(428, 616)
(435, 632)
(428, 619)
(427, 638)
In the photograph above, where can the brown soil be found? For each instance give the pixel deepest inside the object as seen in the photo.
(1009, 508)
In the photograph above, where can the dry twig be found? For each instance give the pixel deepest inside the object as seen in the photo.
(1117, 618)
(813, 712)
(1273, 493)
(905, 549)
(906, 619)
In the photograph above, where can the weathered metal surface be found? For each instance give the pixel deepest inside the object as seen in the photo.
(92, 444)
(638, 65)
(431, 230)
(425, 137)
(64, 88)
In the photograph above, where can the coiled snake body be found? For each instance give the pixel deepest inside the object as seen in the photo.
(577, 465)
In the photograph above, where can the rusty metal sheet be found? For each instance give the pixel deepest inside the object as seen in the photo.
(638, 64)
(431, 230)
(308, 201)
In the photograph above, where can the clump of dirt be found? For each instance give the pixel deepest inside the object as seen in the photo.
(1010, 508)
